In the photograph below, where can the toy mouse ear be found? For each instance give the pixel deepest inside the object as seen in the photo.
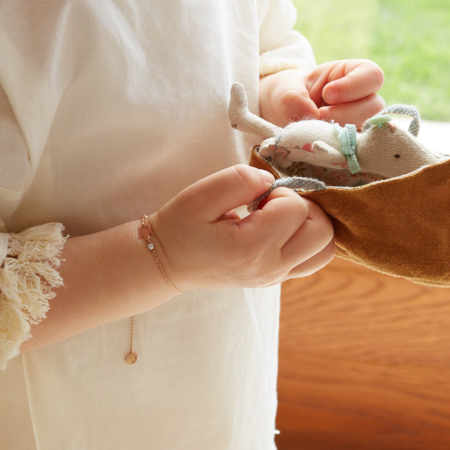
(403, 110)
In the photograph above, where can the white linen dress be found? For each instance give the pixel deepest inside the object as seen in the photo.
(108, 109)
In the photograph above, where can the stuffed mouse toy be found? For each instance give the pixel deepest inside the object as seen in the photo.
(387, 196)
(381, 149)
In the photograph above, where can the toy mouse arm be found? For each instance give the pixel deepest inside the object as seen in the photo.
(328, 154)
(319, 154)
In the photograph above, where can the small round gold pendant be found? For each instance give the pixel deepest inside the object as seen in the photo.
(131, 358)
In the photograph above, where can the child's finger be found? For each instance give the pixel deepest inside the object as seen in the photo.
(311, 238)
(229, 215)
(352, 81)
(210, 198)
(295, 104)
(284, 98)
(355, 112)
(279, 219)
(317, 262)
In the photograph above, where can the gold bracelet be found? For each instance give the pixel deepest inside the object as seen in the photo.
(144, 232)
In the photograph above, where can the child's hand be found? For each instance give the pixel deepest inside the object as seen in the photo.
(340, 90)
(207, 246)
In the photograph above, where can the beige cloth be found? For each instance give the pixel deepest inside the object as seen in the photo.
(107, 110)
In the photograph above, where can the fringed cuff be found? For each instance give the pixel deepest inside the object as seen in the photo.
(27, 275)
(293, 52)
(269, 65)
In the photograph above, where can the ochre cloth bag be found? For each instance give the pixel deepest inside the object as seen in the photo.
(399, 226)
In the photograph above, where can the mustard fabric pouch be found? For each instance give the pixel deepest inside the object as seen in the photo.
(398, 226)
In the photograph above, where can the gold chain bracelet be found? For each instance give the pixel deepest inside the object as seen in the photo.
(144, 232)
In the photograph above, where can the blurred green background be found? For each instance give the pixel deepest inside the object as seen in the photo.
(408, 39)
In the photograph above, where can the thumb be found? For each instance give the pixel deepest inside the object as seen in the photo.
(295, 105)
(211, 197)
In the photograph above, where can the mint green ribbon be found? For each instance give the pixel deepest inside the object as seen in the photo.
(347, 138)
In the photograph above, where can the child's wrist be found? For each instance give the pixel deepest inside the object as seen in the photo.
(142, 263)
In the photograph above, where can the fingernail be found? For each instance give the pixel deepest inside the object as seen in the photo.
(330, 94)
(267, 176)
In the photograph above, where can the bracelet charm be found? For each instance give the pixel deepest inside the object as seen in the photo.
(144, 232)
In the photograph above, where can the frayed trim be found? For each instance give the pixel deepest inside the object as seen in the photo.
(27, 275)
(269, 64)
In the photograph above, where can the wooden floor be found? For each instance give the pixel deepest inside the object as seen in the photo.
(364, 363)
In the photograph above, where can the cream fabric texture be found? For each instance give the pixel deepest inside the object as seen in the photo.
(31, 256)
(107, 110)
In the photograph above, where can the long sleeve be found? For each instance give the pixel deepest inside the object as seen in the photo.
(281, 47)
(33, 77)
(28, 272)
(28, 259)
